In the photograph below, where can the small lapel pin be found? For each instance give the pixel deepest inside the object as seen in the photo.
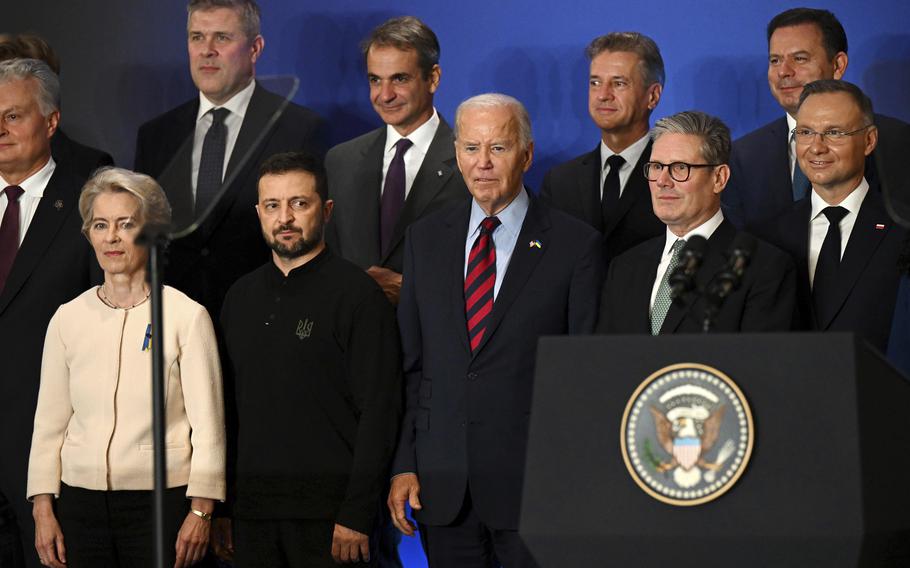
(879, 226)
(438, 173)
(147, 341)
(534, 243)
(58, 205)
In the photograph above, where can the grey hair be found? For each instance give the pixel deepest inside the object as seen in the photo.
(154, 208)
(248, 10)
(650, 62)
(714, 134)
(406, 32)
(48, 93)
(493, 100)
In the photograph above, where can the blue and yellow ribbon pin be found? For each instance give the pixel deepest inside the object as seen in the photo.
(147, 342)
(535, 243)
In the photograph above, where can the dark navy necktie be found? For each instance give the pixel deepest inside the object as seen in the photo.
(211, 164)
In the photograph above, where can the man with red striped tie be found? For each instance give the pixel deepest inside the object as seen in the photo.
(483, 279)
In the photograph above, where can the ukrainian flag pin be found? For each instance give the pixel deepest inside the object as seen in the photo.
(534, 243)
(147, 342)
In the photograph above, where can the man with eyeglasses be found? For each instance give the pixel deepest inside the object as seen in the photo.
(842, 238)
(804, 45)
(604, 187)
(686, 174)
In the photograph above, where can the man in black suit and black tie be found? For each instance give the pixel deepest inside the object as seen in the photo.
(687, 172)
(845, 244)
(386, 179)
(804, 45)
(44, 262)
(483, 279)
(604, 187)
(193, 148)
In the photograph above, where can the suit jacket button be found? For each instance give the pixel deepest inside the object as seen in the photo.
(472, 376)
(204, 252)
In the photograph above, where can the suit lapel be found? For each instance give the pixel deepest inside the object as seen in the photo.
(778, 143)
(433, 174)
(638, 305)
(589, 188)
(522, 264)
(368, 182)
(864, 240)
(636, 188)
(455, 236)
(714, 259)
(53, 209)
(176, 177)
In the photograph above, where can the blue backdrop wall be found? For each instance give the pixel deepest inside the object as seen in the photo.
(125, 61)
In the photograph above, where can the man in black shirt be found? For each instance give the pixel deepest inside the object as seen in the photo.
(313, 354)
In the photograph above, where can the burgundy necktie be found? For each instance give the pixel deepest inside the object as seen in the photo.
(479, 282)
(392, 195)
(9, 232)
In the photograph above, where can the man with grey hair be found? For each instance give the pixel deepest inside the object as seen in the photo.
(386, 179)
(483, 279)
(603, 187)
(687, 172)
(193, 148)
(44, 262)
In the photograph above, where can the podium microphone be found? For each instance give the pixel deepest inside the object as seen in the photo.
(728, 279)
(683, 278)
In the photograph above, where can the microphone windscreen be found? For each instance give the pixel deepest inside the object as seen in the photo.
(695, 246)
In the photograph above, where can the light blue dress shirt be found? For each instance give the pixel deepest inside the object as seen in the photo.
(504, 236)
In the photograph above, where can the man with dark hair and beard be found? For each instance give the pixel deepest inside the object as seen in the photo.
(312, 349)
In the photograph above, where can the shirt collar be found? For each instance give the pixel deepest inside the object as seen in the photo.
(705, 230)
(791, 124)
(851, 203)
(421, 138)
(511, 218)
(236, 104)
(33, 186)
(631, 154)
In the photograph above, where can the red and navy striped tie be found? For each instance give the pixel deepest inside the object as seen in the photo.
(479, 281)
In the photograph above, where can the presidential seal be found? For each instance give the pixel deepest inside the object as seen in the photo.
(687, 434)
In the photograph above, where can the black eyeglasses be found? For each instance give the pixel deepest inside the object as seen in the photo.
(679, 171)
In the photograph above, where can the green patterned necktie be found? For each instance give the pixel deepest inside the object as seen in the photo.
(662, 300)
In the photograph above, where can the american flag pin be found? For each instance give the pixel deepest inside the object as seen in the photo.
(58, 205)
(534, 243)
(879, 226)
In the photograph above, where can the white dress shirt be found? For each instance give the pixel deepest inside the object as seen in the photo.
(237, 106)
(818, 223)
(705, 230)
(33, 190)
(631, 155)
(413, 157)
(505, 236)
(791, 144)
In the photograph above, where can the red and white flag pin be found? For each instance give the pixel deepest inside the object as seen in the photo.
(879, 226)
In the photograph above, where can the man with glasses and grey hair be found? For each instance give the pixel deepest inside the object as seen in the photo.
(44, 262)
(844, 242)
(686, 173)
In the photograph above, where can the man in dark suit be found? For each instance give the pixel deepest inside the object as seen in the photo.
(483, 280)
(687, 173)
(845, 245)
(44, 262)
(386, 179)
(604, 187)
(193, 148)
(804, 45)
(80, 159)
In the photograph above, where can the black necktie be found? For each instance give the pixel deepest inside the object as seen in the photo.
(823, 284)
(9, 232)
(211, 164)
(392, 200)
(610, 198)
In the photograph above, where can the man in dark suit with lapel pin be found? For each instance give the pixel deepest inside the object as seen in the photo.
(804, 45)
(386, 179)
(845, 244)
(604, 187)
(483, 279)
(193, 148)
(44, 262)
(687, 173)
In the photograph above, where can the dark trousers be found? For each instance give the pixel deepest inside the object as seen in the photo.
(299, 543)
(10, 543)
(114, 529)
(469, 543)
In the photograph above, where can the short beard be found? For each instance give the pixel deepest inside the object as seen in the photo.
(301, 247)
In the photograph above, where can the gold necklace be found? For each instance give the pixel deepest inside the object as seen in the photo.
(109, 303)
